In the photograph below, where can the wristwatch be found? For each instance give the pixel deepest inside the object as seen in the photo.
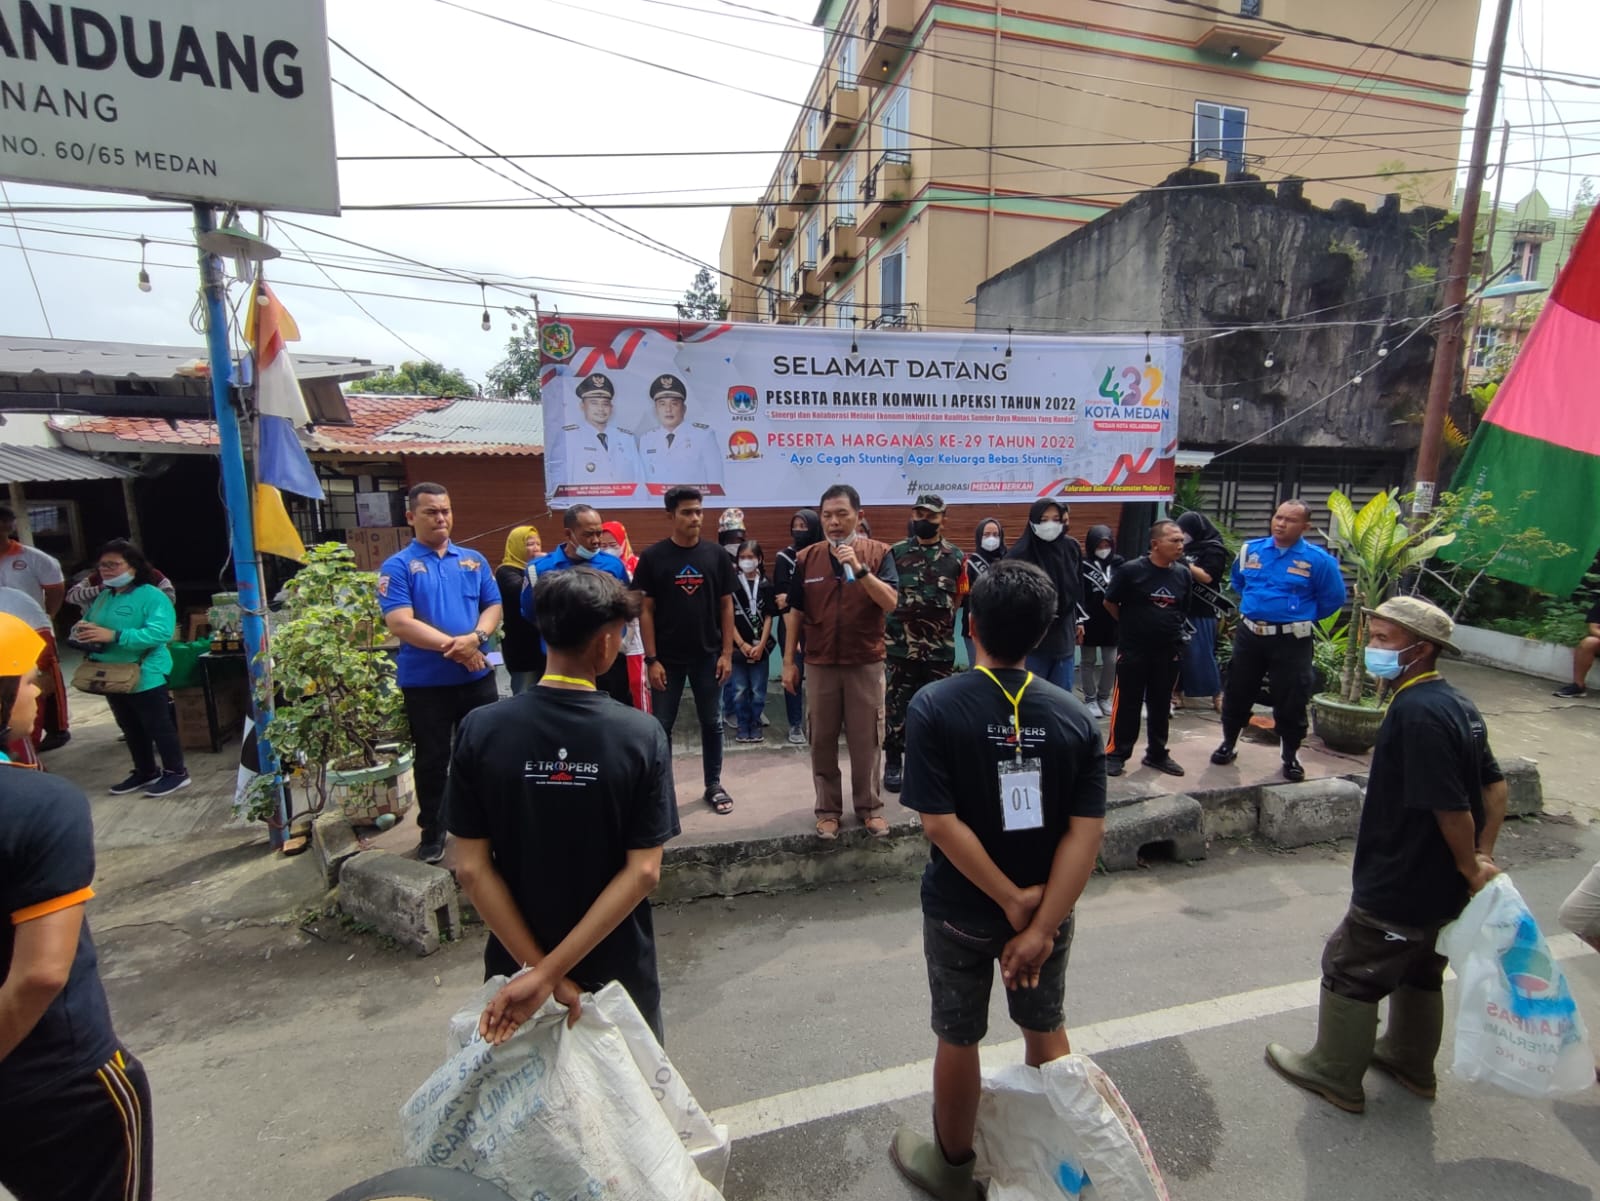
(650, 660)
(483, 639)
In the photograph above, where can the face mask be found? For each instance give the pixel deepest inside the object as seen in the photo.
(118, 581)
(1384, 664)
(1103, 553)
(842, 541)
(583, 552)
(1047, 531)
(748, 566)
(925, 530)
(991, 542)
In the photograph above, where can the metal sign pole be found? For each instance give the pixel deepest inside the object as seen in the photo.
(241, 528)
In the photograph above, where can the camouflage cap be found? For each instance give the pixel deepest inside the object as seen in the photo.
(929, 501)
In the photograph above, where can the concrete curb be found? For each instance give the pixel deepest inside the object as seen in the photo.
(413, 903)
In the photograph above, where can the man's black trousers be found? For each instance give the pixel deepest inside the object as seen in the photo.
(1141, 684)
(1285, 662)
(434, 713)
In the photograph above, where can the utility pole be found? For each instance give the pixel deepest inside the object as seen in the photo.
(1447, 345)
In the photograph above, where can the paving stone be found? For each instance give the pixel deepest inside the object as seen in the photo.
(334, 840)
(1173, 824)
(1524, 790)
(413, 903)
(1297, 815)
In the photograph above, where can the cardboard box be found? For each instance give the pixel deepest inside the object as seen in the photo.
(232, 698)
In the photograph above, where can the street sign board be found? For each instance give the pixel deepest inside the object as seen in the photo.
(224, 101)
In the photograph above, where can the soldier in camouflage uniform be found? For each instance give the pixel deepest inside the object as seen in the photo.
(920, 635)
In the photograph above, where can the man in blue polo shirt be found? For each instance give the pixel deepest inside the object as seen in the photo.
(442, 603)
(1285, 585)
(582, 549)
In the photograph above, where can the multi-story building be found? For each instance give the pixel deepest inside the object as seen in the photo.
(943, 140)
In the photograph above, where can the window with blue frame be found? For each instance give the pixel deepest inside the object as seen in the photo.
(1219, 132)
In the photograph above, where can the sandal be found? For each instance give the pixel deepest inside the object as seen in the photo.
(719, 800)
(877, 827)
(827, 828)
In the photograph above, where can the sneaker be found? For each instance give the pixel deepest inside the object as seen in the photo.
(764, 720)
(1113, 765)
(1168, 765)
(797, 737)
(1224, 755)
(1568, 692)
(1094, 707)
(431, 848)
(730, 722)
(168, 782)
(59, 738)
(891, 777)
(134, 783)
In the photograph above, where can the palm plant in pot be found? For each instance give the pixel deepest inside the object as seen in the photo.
(1379, 547)
(341, 727)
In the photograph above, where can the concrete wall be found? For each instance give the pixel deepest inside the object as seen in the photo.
(1192, 256)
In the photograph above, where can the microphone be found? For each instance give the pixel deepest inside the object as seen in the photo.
(849, 575)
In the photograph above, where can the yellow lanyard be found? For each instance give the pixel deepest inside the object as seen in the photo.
(586, 685)
(1427, 675)
(1016, 703)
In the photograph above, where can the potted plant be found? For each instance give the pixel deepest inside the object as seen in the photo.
(340, 727)
(1379, 547)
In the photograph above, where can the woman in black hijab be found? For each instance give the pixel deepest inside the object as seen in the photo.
(1207, 559)
(989, 546)
(1098, 669)
(805, 527)
(1047, 545)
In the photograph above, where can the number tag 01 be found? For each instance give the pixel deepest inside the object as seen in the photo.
(1021, 806)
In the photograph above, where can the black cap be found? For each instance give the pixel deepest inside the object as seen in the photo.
(669, 386)
(596, 385)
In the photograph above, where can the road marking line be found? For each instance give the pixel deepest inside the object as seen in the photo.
(886, 1085)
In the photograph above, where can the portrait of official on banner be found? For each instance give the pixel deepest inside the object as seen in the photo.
(771, 415)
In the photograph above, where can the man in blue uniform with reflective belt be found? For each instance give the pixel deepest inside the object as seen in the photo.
(1285, 585)
(442, 603)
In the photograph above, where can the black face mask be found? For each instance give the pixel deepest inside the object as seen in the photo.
(804, 538)
(925, 529)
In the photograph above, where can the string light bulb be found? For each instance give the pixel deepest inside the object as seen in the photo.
(1383, 352)
(483, 294)
(1355, 379)
(144, 274)
(1269, 361)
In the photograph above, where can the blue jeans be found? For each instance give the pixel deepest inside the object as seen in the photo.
(972, 650)
(750, 694)
(794, 702)
(1057, 671)
(702, 679)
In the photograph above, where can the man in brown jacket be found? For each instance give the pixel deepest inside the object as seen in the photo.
(842, 589)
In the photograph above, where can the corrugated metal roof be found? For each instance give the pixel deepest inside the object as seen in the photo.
(30, 453)
(506, 423)
(133, 360)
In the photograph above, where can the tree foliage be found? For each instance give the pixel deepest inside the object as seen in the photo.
(517, 374)
(419, 378)
(701, 302)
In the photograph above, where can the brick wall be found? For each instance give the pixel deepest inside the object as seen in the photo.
(492, 493)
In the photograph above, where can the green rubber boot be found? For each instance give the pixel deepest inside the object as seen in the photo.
(1410, 1041)
(922, 1162)
(1333, 1068)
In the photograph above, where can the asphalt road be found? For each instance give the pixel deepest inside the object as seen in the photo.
(279, 1058)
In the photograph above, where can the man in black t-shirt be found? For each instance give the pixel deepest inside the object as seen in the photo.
(687, 624)
(74, 1104)
(1007, 772)
(1435, 801)
(560, 800)
(1149, 599)
(1583, 656)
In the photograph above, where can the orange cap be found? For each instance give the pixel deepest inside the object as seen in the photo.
(20, 646)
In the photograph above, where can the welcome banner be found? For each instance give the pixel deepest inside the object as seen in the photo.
(770, 415)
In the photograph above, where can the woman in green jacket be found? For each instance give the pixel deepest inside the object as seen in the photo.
(131, 621)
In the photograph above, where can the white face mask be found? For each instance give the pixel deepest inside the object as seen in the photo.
(1047, 531)
(748, 566)
(991, 542)
(841, 541)
(1103, 553)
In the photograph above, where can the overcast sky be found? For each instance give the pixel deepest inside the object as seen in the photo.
(523, 92)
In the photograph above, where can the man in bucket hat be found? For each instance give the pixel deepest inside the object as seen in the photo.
(1435, 801)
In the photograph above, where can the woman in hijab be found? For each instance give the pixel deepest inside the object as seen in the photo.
(614, 540)
(1046, 544)
(1099, 666)
(1207, 559)
(805, 528)
(520, 644)
(989, 546)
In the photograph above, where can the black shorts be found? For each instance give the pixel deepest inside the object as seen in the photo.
(961, 963)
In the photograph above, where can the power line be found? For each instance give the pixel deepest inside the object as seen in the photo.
(27, 262)
(365, 311)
